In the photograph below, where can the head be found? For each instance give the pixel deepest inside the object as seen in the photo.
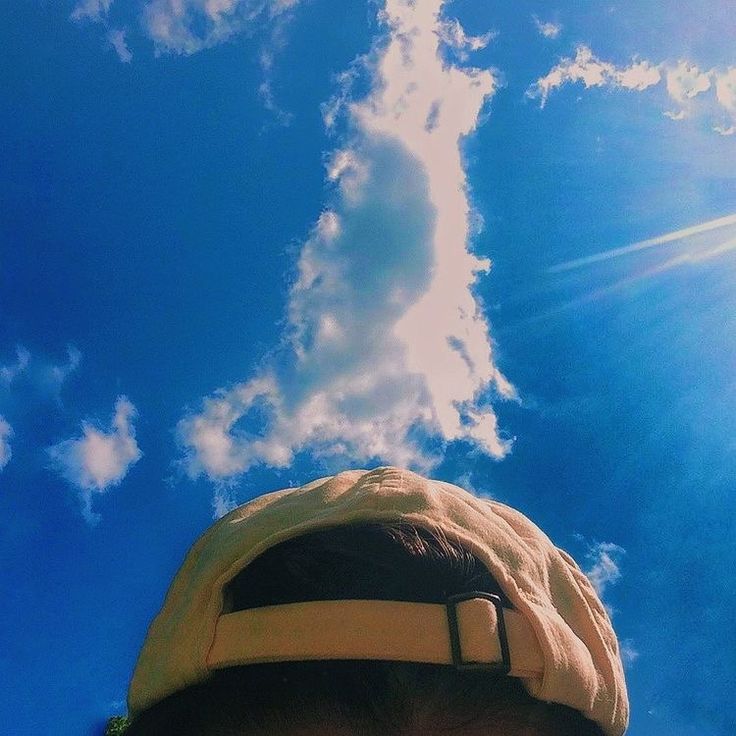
(391, 560)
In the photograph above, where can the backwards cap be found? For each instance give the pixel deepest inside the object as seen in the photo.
(558, 638)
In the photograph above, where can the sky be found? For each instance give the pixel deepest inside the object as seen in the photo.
(248, 243)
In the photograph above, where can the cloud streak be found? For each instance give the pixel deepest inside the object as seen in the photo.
(386, 345)
(99, 459)
(6, 432)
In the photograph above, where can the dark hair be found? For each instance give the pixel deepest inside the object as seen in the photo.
(369, 561)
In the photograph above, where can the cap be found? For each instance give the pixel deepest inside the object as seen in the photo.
(557, 638)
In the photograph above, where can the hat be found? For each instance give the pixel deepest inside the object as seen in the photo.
(557, 638)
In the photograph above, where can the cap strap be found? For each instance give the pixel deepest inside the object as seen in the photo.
(375, 630)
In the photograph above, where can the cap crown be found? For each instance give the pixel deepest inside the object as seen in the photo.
(582, 665)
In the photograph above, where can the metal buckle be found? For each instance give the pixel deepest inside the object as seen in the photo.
(504, 666)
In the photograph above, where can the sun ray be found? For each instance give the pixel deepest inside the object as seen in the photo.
(671, 237)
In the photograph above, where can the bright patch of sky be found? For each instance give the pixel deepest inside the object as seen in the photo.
(492, 242)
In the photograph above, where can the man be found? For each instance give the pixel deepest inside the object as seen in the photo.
(378, 603)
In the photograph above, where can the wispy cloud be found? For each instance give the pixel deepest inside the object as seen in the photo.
(8, 373)
(45, 376)
(32, 379)
(548, 29)
(588, 69)
(6, 432)
(726, 96)
(270, 49)
(99, 458)
(98, 11)
(603, 570)
(116, 39)
(55, 374)
(92, 10)
(454, 37)
(188, 26)
(385, 344)
(684, 82)
(629, 652)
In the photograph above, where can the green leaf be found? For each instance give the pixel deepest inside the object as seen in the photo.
(117, 726)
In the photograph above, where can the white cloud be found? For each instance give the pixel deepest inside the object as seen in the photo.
(55, 375)
(453, 35)
(99, 459)
(685, 82)
(93, 10)
(726, 95)
(726, 90)
(8, 373)
(337, 103)
(604, 559)
(116, 39)
(385, 342)
(6, 432)
(629, 653)
(725, 130)
(548, 29)
(97, 11)
(269, 50)
(591, 71)
(188, 26)
(679, 115)
(639, 76)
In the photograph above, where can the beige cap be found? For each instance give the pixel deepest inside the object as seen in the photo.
(558, 638)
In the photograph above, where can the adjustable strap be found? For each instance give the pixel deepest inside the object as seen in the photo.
(381, 630)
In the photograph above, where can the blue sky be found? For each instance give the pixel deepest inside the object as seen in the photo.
(248, 243)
